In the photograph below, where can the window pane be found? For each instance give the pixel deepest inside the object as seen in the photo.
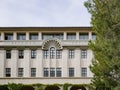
(58, 72)
(52, 72)
(71, 54)
(52, 53)
(33, 36)
(71, 36)
(46, 72)
(33, 54)
(46, 54)
(84, 54)
(84, 36)
(8, 54)
(8, 72)
(21, 37)
(71, 72)
(33, 72)
(58, 54)
(8, 36)
(21, 54)
(84, 72)
(20, 72)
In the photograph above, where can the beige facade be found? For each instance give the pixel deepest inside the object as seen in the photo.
(45, 55)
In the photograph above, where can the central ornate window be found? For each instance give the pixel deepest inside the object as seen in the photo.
(52, 53)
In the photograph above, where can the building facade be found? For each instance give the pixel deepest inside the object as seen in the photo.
(45, 55)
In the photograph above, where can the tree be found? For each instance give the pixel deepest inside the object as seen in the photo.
(105, 21)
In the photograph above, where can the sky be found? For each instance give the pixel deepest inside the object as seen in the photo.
(43, 13)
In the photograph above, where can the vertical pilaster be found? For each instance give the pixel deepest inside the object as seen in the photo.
(90, 35)
(27, 62)
(27, 35)
(14, 61)
(65, 63)
(2, 35)
(14, 36)
(77, 62)
(77, 35)
(2, 62)
(39, 36)
(39, 70)
(65, 36)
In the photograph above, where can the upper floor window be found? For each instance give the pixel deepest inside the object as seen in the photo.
(33, 72)
(84, 72)
(8, 36)
(84, 36)
(93, 36)
(46, 54)
(52, 53)
(71, 72)
(58, 72)
(71, 54)
(8, 54)
(84, 54)
(21, 36)
(33, 54)
(33, 36)
(21, 54)
(71, 36)
(20, 72)
(8, 72)
(52, 72)
(58, 54)
(46, 72)
(55, 35)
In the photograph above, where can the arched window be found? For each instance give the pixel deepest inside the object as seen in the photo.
(52, 53)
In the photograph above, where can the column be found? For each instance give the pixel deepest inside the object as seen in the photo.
(77, 62)
(65, 63)
(39, 36)
(39, 66)
(2, 35)
(27, 62)
(14, 36)
(2, 62)
(65, 36)
(77, 35)
(90, 35)
(14, 66)
(27, 35)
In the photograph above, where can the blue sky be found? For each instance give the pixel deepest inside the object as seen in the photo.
(43, 13)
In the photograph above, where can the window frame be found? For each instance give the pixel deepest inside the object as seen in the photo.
(7, 72)
(20, 72)
(84, 54)
(71, 72)
(8, 54)
(33, 72)
(21, 54)
(71, 54)
(84, 72)
(33, 54)
(46, 72)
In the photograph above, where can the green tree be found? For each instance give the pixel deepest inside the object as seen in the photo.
(105, 20)
(14, 86)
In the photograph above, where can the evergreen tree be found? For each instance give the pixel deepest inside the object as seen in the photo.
(106, 48)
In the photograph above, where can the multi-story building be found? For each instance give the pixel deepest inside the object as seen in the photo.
(45, 55)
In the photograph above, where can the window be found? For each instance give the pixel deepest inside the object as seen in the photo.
(46, 72)
(71, 54)
(58, 72)
(8, 72)
(56, 35)
(52, 53)
(71, 72)
(71, 36)
(8, 36)
(8, 54)
(33, 72)
(21, 54)
(46, 54)
(58, 54)
(52, 72)
(21, 37)
(34, 36)
(20, 72)
(93, 36)
(33, 54)
(84, 72)
(84, 36)
(84, 54)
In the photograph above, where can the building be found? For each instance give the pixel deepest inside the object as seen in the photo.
(45, 55)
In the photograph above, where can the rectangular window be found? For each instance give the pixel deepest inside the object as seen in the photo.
(71, 54)
(46, 54)
(33, 72)
(84, 72)
(20, 72)
(8, 36)
(8, 72)
(21, 37)
(52, 72)
(8, 54)
(84, 36)
(58, 54)
(33, 54)
(71, 36)
(84, 54)
(71, 72)
(33, 36)
(58, 72)
(46, 72)
(21, 54)
(93, 36)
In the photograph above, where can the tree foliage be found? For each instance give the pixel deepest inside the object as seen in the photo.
(106, 24)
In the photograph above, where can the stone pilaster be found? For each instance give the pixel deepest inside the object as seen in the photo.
(14, 36)
(27, 35)
(65, 36)
(2, 35)
(90, 35)
(39, 36)
(77, 35)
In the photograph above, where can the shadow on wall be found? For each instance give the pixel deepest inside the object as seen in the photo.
(52, 88)
(77, 88)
